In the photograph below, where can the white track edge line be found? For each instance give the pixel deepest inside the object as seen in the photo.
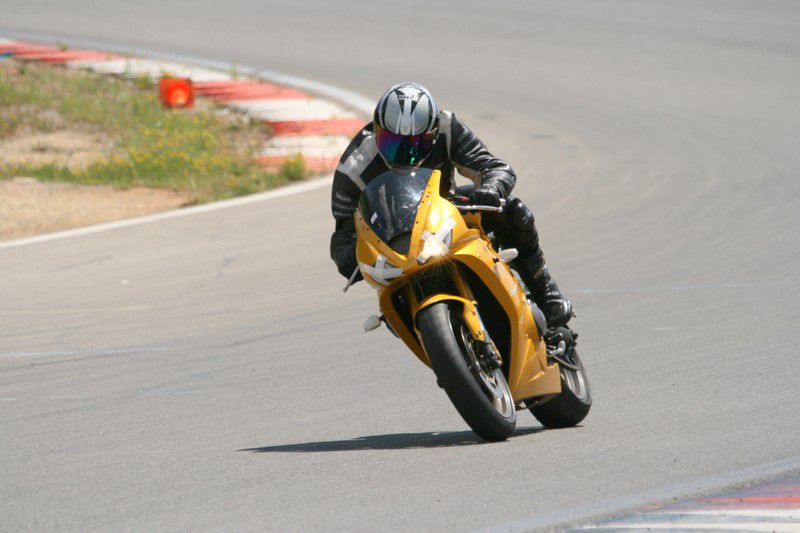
(607, 509)
(289, 190)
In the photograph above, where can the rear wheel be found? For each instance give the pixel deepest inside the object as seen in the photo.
(480, 394)
(572, 405)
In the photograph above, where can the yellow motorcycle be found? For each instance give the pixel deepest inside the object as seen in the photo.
(454, 300)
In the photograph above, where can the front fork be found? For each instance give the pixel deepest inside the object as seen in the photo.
(487, 352)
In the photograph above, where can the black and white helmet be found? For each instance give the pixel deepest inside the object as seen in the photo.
(406, 122)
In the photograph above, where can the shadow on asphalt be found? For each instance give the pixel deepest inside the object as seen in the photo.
(394, 441)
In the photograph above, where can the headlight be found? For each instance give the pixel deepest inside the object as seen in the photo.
(435, 244)
(433, 247)
(382, 271)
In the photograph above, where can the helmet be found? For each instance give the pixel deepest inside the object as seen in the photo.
(406, 122)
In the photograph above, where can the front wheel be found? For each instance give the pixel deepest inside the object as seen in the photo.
(480, 395)
(571, 406)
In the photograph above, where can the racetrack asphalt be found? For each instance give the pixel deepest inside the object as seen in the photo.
(206, 372)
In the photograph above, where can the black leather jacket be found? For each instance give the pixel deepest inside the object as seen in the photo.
(456, 148)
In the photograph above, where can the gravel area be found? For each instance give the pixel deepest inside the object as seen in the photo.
(72, 148)
(30, 207)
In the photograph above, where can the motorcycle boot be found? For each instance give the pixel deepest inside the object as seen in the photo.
(556, 307)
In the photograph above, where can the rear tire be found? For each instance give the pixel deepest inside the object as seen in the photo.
(484, 402)
(571, 406)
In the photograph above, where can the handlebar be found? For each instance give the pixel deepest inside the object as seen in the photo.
(489, 208)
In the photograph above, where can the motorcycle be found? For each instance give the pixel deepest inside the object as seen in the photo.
(451, 295)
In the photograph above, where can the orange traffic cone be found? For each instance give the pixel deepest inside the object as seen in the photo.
(175, 92)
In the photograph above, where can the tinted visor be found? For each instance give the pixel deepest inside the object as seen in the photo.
(402, 151)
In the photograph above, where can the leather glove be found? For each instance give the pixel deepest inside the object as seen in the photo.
(486, 195)
(343, 252)
(347, 264)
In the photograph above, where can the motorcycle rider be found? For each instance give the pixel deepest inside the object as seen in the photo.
(408, 130)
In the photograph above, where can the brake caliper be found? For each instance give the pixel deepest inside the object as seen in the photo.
(488, 355)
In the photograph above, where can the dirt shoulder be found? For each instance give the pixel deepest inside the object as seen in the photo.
(30, 207)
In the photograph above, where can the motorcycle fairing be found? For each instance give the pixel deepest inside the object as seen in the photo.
(529, 374)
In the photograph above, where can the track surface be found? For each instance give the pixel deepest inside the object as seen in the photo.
(226, 382)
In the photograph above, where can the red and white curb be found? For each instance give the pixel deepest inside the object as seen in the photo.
(773, 506)
(314, 128)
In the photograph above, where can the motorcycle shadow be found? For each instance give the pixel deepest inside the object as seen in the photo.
(394, 441)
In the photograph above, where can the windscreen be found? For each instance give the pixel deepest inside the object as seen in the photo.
(389, 203)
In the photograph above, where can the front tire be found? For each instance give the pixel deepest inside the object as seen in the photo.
(480, 396)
